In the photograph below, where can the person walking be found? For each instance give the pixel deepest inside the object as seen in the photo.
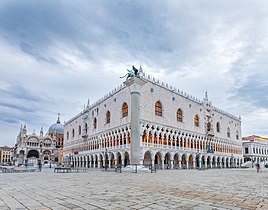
(258, 167)
(40, 166)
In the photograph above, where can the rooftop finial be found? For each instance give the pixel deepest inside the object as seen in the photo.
(141, 70)
(88, 103)
(58, 121)
(206, 96)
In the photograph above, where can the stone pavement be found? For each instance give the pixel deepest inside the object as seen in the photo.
(168, 189)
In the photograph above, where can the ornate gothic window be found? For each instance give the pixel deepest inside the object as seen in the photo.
(218, 127)
(108, 117)
(228, 133)
(208, 126)
(179, 115)
(124, 110)
(67, 135)
(237, 135)
(73, 132)
(196, 120)
(158, 108)
(95, 123)
(86, 128)
(79, 130)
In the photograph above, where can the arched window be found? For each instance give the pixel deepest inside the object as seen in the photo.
(158, 108)
(95, 123)
(196, 120)
(67, 135)
(218, 127)
(86, 128)
(237, 135)
(179, 115)
(124, 110)
(73, 132)
(228, 133)
(79, 130)
(108, 117)
(208, 126)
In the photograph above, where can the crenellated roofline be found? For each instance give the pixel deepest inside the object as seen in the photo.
(159, 83)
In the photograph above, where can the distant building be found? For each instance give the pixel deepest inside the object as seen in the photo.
(255, 149)
(146, 121)
(6, 155)
(32, 148)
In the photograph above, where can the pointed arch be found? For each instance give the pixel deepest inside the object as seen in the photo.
(95, 123)
(218, 126)
(179, 115)
(79, 129)
(196, 120)
(108, 117)
(158, 109)
(208, 126)
(73, 132)
(124, 110)
(228, 132)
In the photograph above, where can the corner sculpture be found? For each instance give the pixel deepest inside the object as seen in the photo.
(132, 73)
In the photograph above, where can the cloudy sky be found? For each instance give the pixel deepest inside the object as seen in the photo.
(55, 54)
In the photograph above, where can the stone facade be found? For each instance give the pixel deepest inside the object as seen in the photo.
(175, 130)
(34, 148)
(255, 149)
(6, 155)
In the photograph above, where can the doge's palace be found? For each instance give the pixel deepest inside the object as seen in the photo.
(146, 121)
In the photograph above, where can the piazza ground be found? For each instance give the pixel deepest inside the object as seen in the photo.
(165, 189)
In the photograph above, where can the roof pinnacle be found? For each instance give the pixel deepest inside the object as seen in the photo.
(58, 121)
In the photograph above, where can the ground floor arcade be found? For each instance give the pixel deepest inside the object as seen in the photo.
(161, 159)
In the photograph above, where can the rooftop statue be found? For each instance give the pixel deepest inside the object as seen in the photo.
(132, 73)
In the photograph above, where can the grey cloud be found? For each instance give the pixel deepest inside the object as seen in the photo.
(19, 92)
(254, 91)
(18, 107)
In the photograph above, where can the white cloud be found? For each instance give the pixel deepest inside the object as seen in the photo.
(59, 59)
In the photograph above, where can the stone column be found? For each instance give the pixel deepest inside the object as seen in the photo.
(103, 162)
(135, 84)
(86, 162)
(110, 162)
(94, 163)
(179, 162)
(152, 161)
(200, 163)
(98, 163)
(210, 162)
(163, 164)
(194, 164)
(187, 164)
(171, 164)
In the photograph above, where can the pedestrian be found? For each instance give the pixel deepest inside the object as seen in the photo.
(258, 167)
(40, 166)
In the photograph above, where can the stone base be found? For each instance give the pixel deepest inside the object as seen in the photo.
(133, 168)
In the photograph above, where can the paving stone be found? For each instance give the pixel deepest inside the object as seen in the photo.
(173, 189)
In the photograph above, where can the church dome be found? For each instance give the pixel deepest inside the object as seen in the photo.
(57, 128)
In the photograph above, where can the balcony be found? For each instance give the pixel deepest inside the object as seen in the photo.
(84, 133)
